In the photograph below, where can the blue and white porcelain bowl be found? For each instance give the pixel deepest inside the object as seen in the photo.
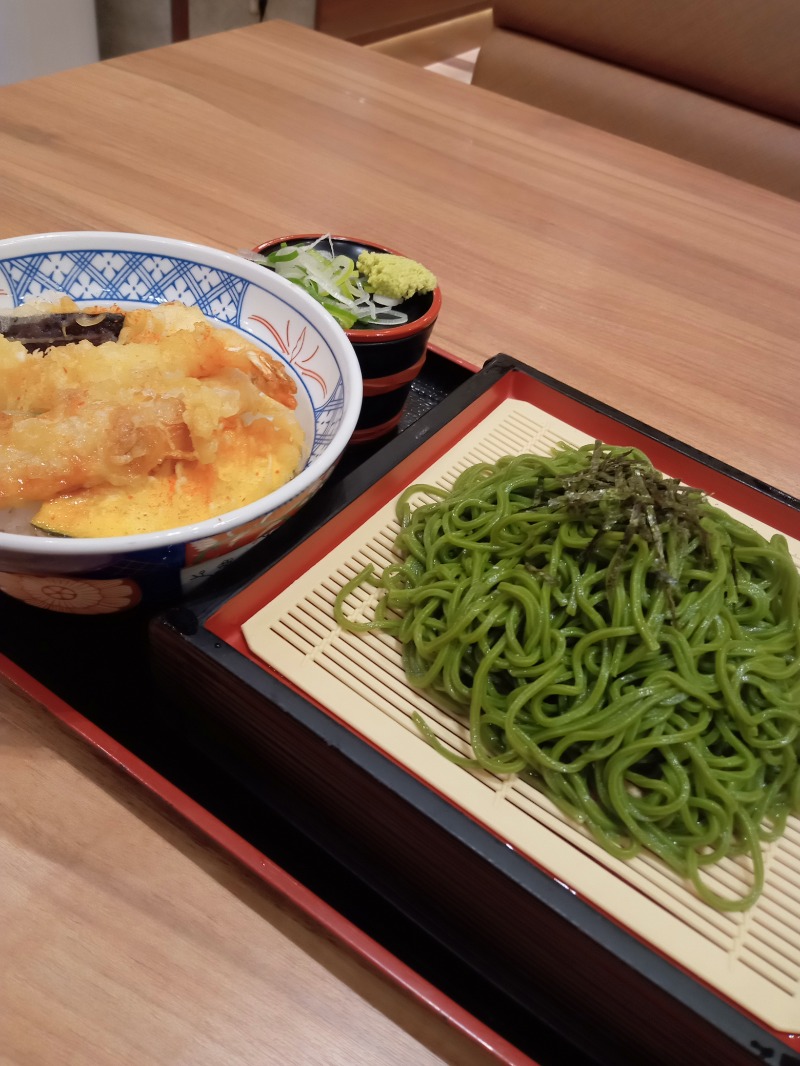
(104, 575)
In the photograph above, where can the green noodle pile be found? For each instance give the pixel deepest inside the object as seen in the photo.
(610, 634)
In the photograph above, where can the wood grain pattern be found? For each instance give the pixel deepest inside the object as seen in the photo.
(660, 287)
(125, 940)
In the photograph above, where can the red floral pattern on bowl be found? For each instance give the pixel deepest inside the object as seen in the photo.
(71, 595)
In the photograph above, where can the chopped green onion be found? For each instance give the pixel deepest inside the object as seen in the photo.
(282, 254)
(334, 281)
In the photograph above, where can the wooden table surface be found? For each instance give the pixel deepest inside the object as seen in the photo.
(661, 288)
(126, 940)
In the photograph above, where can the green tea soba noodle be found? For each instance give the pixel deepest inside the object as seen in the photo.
(611, 635)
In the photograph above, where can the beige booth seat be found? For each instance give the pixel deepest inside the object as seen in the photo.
(713, 81)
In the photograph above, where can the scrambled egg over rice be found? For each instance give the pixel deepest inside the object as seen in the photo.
(174, 423)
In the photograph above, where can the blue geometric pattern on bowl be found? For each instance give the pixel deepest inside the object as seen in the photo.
(132, 277)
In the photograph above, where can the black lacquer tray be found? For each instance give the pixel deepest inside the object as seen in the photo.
(562, 980)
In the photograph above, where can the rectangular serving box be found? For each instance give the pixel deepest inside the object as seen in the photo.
(574, 965)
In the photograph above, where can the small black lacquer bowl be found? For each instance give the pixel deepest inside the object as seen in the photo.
(390, 358)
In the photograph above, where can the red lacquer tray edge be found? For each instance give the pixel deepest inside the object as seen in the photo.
(311, 906)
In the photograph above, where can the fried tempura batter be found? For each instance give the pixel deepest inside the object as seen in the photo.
(80, 416)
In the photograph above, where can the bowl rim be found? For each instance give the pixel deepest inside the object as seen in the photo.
(368, 336)
(316, 469)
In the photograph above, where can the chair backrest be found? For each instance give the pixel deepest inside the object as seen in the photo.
(714, 81)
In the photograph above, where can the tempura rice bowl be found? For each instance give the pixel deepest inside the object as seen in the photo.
(107, 574)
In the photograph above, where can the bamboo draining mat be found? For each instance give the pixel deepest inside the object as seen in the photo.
(751, 958)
